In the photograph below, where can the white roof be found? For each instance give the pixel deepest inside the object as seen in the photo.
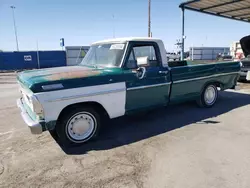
(127, 39)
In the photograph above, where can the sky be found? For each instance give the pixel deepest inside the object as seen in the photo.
(81, 22)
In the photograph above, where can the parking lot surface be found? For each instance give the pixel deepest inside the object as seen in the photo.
(174, 147)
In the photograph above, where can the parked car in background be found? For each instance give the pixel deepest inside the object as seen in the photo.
(186, 55)
(172, 56)
(236, 51)
(115, 78)
(245, 62)
(224, 57)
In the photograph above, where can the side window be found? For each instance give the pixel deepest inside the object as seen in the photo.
(143, 51)
(131, 63)
(131, 56)
(142, 56)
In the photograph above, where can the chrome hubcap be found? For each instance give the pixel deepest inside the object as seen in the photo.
(81, 126)
(210, 95)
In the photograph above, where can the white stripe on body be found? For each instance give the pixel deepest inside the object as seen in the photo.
(111, 96)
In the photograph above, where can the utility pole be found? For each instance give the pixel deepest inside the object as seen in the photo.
(37, 53)
(149, 18)
(13, 7)
(183, 34)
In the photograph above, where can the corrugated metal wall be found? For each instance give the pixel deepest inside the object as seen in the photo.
(75, 54)
(52, 59)
(206, 53)
(29, 60)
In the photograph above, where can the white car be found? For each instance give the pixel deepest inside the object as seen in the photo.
(172, 56)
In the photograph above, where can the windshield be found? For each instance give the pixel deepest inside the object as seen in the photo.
(104, 55)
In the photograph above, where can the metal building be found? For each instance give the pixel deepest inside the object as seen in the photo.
(75, 54)
(207, 53)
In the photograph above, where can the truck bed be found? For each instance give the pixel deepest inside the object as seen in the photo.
(189, 80)
(196, 62)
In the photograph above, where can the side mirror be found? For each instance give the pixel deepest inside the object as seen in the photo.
(142, 61)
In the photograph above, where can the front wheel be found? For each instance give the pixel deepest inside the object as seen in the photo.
(209, 96)
(78, 126)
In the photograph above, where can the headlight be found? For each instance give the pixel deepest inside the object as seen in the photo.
(37, 107)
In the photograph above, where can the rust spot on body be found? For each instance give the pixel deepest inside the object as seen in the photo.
(72, 75)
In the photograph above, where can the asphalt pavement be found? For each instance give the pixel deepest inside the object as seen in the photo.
(174, 147)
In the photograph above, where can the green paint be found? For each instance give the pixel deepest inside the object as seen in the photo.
(146, 98)
(34, 80)
(192, 89)
(140, 98)
(149, 96)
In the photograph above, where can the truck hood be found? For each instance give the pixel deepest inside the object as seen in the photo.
(245, 45)
(69, 77)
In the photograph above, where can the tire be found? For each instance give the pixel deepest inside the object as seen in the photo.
(242, 79)
(78, 125)
(208, 97)
(54, 134)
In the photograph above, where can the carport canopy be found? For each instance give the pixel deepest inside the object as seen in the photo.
(232, 9)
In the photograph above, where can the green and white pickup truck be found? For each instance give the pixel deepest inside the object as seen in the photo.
(116, 77)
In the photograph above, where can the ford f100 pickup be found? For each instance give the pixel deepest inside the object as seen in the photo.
(116, 77)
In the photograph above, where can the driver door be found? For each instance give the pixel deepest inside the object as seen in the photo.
(148, 83)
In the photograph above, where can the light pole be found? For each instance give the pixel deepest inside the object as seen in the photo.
(149, 18)
(13, 7)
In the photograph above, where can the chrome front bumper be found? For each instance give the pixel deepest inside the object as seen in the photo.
(35, 127)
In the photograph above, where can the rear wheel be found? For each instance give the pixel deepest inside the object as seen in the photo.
(78, 126)
(209, 96)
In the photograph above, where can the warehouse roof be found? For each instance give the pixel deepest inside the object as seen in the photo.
(232, 9)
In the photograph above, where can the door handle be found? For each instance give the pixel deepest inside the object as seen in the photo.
(163, 72)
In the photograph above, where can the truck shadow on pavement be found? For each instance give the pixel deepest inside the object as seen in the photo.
(127, 130)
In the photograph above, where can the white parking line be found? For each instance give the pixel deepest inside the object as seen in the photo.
(6, 133)
(9, 132)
